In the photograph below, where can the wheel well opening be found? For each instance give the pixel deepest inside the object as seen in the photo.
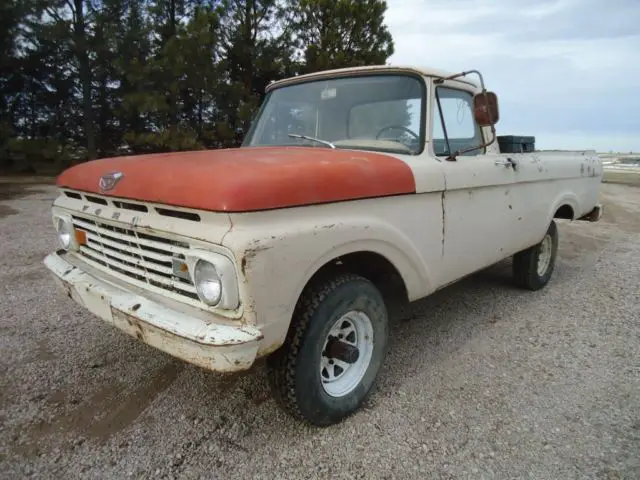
(372, 266)
(565, 211)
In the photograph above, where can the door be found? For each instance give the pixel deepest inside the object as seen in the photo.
(478, 203)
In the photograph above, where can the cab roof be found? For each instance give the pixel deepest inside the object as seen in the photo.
(349, 71)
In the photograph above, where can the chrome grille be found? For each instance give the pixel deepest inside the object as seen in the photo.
(142, 257)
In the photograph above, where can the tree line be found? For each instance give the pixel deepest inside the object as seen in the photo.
(84, 79)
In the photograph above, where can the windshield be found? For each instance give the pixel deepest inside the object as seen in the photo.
(374, 112)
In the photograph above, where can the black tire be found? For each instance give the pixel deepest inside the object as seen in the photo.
(294, 369)
(525, 263)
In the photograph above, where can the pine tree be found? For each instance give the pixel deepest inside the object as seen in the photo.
(81, 79)
(342, 33)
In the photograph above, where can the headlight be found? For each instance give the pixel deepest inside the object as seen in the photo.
(207, 282)
(65, 233)
(214, 276)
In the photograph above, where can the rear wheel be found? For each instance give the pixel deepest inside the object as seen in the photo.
(533, 267)
(333, 351)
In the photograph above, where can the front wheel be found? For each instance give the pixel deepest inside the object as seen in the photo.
(533, 267)
(335, 346)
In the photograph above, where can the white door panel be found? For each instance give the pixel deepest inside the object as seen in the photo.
(481, 210)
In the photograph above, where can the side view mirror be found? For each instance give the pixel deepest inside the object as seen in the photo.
(485, 111)
(485, 108)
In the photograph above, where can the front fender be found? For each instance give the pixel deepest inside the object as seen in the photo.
(407, 262)
(279, 253)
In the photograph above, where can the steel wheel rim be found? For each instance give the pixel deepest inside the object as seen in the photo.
(340, 378)
(544, 256)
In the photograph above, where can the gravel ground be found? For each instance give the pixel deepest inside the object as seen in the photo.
(482, 381)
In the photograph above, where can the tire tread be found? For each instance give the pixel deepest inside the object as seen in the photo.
(281, 364)
(524, 269)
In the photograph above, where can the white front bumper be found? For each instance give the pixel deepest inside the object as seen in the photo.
(217, 347)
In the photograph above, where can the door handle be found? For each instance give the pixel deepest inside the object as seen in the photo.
(509, 162)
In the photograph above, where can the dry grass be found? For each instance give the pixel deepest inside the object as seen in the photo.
(622, 177)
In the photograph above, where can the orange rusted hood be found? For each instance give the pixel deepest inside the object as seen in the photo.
(246, 179)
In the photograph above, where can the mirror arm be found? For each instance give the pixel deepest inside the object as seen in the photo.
(453, 156)
(462, 74)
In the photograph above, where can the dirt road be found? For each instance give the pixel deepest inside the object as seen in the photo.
(483, 380)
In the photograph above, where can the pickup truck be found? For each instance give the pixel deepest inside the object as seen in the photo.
(353, 188)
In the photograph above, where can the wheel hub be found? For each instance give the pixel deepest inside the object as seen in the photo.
(343, 351)
(346, 353)
(544, 256)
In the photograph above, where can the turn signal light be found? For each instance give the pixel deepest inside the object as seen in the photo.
(81, 236)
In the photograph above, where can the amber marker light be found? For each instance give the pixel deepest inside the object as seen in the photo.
(81, 236)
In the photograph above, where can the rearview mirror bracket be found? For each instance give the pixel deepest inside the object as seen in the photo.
(485, 111)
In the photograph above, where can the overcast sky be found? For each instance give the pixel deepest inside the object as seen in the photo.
(566, 71)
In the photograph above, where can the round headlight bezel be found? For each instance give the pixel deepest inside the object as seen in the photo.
(227, 272)
(211, 278)
(64, 227)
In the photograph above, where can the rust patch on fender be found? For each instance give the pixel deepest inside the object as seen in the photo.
(250, 253)
(243, 265)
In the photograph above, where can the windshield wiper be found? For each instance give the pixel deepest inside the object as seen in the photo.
(305, 137)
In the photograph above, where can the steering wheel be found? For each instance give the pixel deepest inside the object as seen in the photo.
(400, 127)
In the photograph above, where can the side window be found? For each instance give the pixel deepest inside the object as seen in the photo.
(457, 113)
